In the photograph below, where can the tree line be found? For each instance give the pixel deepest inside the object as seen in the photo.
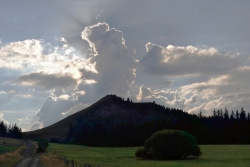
(11, 131)
(119, 122)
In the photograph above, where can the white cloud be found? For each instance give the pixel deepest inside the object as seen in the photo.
(234, 83)
(164, 97)
(36, 125)
(231, 91)
(2, 92)
(22, 119)
(191, 100)
(190, 60)
(76, 108)
(36, 56)
(114, 61)
(52, 110)
(2, 119)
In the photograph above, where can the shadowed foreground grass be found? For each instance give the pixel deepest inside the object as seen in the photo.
(7, 148)
(9, 159)
(213, 155)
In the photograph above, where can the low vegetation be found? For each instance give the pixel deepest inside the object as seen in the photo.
(169, 144)
(4, 149)
(213, 155)
(51, 160)
(11, 158)
(42, 145)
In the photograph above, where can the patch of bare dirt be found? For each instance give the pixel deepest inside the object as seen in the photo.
(30, 158)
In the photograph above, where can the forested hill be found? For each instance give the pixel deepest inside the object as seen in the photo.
(113, 121)
(109, 112)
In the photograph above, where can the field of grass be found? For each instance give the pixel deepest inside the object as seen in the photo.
(7, 148)
(9, 159)
(213, 155)
(10, 141)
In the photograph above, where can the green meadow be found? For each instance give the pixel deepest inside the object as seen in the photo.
(213, 155)
(7, 148)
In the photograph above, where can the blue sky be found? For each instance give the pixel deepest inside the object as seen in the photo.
(59, 57)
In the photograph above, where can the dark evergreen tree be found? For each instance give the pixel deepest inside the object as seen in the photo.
(200, 114)
(128, 99)
(232, 116)
(14, 131)
(3, 129)
(214, 114)
(242, 114)
(237, 115)
(226, 114)
(218, 113)
(221, 114)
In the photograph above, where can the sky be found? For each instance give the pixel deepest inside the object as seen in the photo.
(59, 57)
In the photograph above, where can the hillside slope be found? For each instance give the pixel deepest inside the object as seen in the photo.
(107, 118)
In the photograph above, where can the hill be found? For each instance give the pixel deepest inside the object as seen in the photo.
(111, 118)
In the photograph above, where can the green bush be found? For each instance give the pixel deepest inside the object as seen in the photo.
(42, 145)
(170, 144)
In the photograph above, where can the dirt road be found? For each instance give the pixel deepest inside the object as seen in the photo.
(30, 157)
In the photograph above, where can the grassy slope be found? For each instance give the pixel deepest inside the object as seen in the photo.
(213, 155)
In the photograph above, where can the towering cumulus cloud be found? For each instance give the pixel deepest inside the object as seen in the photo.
(114, 62)
(108, 69)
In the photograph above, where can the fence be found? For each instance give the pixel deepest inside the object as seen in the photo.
(72, 163)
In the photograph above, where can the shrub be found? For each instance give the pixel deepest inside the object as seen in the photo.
(170, 144)
(42, 145)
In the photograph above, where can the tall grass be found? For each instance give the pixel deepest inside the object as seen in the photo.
(9, 159)
(51, 160)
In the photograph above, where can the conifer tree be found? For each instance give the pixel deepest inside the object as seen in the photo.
(221, 114)
(3, 129)
(226, 115)
(232, 116)
(237, 115)
(214, 114)
(128, 100)
(200, 114)
(248, 116)
(242, 115)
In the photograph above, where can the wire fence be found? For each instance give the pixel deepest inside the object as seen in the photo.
(72, 163)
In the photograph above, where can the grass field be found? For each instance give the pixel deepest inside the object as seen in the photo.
(9, 159)
(7, 148)
(213, 155)
(10, 141)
